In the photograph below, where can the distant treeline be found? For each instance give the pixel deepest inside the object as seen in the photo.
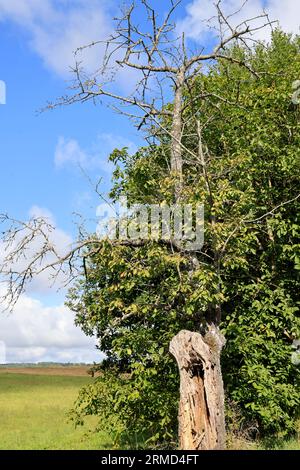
(44, 364)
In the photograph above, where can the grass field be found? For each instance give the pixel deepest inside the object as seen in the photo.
(33, 411)
(33, 407)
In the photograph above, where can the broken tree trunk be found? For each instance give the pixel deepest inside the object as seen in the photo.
(201, 408)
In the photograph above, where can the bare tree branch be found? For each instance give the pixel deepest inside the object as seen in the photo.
(166, 69)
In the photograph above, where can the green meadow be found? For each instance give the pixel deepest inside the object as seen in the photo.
(33, 414)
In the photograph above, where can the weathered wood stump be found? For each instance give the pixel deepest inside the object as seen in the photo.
(201, 408)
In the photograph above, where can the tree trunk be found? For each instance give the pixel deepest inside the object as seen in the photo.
(201, 408)
(176, 148)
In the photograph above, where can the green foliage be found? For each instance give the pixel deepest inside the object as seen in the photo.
(136, 410)
(257, 365)
(136, 299)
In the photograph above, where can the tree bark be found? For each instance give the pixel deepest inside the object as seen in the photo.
(201, 408)
(176, 148)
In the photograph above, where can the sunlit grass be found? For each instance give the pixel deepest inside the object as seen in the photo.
(33, 415)
(33, 412)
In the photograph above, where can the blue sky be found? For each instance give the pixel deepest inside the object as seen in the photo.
(28, 140)
(40, 152)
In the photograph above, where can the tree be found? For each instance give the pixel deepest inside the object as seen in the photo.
(186, 147)
(253, 167)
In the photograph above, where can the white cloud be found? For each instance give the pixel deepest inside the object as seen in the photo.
(2, 352)
(69, 152)
(56, 28)
(287, 12)
(24, 11)
(37, 211)
(35, 333)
